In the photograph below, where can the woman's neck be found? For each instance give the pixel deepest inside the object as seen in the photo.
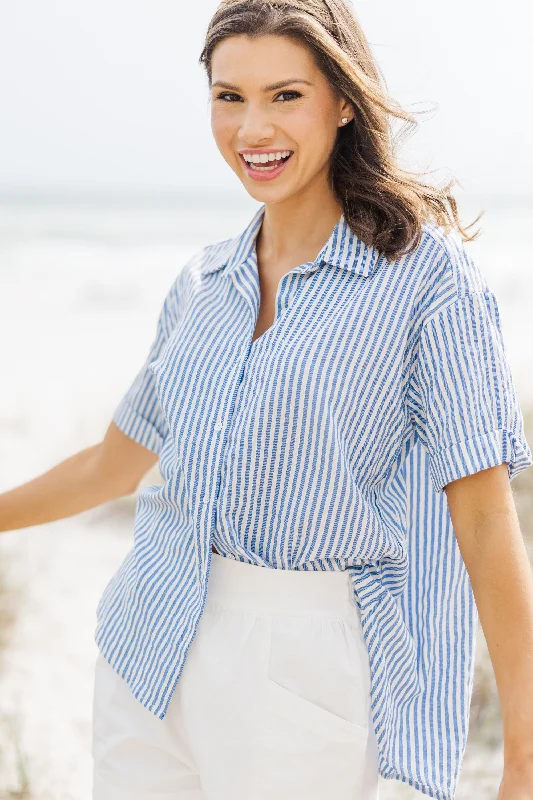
(296, 229)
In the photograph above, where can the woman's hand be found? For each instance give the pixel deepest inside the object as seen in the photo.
(100, 473)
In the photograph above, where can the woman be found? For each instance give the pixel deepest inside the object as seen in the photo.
(336, 424)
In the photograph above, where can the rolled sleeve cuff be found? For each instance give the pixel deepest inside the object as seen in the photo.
(137, 427)
(480, 452)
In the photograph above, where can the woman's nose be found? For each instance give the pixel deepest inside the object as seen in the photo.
(255, 125)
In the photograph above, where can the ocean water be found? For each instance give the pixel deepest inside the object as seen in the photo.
(81, 285)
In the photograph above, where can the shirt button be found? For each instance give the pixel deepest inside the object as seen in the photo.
(230, 555)
(218, 426)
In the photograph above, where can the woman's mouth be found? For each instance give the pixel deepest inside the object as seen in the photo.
(265, 166)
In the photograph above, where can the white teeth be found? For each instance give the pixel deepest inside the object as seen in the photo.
(257, 160)
(262, 158)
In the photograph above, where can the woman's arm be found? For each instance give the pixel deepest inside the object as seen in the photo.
(486, 525)
(110, 469)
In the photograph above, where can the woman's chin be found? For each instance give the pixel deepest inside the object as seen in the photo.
(264, 193)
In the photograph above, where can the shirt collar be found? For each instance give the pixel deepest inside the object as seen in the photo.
(343, 249)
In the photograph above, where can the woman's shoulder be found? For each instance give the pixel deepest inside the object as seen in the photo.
(456, 257)
(205, 260)
(448, 271)
(197, 266)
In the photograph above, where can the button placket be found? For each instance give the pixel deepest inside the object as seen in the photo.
(220, 425)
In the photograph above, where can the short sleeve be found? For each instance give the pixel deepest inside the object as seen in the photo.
(139, 414)
(461, 395)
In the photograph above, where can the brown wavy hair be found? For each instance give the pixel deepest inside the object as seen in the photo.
(383, 204)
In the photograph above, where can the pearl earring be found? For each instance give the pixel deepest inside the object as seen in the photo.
(344, 120)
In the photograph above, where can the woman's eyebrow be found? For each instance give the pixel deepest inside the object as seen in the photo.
(270, 88)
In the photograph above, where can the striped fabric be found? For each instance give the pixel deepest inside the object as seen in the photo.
(325, 444)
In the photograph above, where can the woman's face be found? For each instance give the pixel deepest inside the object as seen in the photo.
(269, 97)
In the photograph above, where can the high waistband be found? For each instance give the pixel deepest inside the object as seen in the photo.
(266, 590)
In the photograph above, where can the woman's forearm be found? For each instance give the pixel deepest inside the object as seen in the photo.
(503, 587)
(491, 542)
(76, 484)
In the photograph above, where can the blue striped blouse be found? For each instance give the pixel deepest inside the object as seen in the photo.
(324, 444)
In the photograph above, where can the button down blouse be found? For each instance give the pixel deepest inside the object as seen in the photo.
(323, 445)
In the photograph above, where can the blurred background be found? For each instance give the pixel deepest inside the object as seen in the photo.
(109, 181)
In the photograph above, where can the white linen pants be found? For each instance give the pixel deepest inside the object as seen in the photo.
(273, 702)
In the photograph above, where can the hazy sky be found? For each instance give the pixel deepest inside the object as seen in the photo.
(108, 94)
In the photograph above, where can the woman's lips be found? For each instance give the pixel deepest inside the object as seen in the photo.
(266, 174)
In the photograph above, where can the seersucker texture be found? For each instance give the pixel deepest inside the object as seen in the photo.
(324, 444)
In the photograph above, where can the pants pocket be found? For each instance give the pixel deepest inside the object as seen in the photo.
(308, 753)
(314, 738)
(317, 721)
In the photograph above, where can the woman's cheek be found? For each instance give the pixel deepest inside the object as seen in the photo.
(223, 131)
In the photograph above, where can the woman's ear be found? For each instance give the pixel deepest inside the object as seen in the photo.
(346, 110)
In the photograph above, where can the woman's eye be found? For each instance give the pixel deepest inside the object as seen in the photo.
(229, 97)
(223, 95)
(292, 95)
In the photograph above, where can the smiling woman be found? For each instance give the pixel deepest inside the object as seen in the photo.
(295, 617)
(315, 385)
(327, 75)
(277, 116)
